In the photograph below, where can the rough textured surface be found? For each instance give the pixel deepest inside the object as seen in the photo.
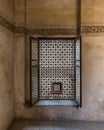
(56, 125)
(7, 9)
(92, 60)
(92, 88)
(92, 71)
(19, 12)
(6, 67)
(6, 78)
(19, 60)
(44, 13)
(50, 12)
(92, 11)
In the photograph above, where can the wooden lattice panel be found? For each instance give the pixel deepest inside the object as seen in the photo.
(57, 65)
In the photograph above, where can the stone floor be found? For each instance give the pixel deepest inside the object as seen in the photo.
(56, 125)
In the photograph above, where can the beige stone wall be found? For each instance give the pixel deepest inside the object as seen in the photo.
(93, 12)
(6, 78)
(19, 72)
(46, 12)
(92, 89)
(39, 14)
(7, 9)
(19, 12)
(6, 67)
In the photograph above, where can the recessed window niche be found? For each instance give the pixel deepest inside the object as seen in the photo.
(55, 71)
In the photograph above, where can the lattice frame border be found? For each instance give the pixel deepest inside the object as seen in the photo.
(79, 101)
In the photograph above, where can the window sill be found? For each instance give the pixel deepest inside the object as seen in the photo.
(56, 103)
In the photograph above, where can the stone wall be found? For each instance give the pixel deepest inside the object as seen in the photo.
(42, 19)
(6, 65)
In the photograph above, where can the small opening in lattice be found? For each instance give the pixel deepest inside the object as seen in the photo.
(55, 69)
(57, 88)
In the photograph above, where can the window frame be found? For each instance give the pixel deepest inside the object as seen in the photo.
(57, 38)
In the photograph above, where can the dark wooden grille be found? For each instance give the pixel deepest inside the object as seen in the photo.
(55, 69)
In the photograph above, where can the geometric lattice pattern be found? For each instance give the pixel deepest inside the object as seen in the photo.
(34, 68)
(57, 65)
(78, 70)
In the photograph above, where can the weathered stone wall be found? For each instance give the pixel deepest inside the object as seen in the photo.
(63, 13)
(6, 66)
(93, 12)
(44, 13)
